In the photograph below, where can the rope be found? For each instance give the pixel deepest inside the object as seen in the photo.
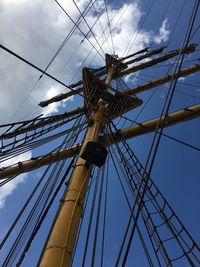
(96, 230)
(39, 69)
(38, 207)
(109, 26)
(78, 28)
(104, 215)
(37, 227)
(90, 218)
(166, 135)
(90, 29)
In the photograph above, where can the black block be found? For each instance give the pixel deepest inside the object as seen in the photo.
(94, 153)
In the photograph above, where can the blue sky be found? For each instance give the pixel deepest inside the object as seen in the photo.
(35, 30)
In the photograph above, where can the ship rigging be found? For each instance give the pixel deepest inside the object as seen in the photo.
(96, 202)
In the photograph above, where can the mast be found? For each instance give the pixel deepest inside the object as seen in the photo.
(59, 248)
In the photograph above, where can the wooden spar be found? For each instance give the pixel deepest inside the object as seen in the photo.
(163, 80)
(188, 49)
(137, 53)
(60, 97)
(149, 54)
(126, 133)
(42, 123)
(149, 126)
(38, 162)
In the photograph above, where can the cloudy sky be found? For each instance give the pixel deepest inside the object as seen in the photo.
(29, 28)
(36, 29)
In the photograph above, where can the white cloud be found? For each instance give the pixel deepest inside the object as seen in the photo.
(125, 30)
(133, 78)
(182, 79)
(164, 32)
(7, 189)
(54, 107)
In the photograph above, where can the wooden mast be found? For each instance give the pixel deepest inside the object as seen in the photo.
(59, 248)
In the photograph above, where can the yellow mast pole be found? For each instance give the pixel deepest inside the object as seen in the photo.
(59, 248)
